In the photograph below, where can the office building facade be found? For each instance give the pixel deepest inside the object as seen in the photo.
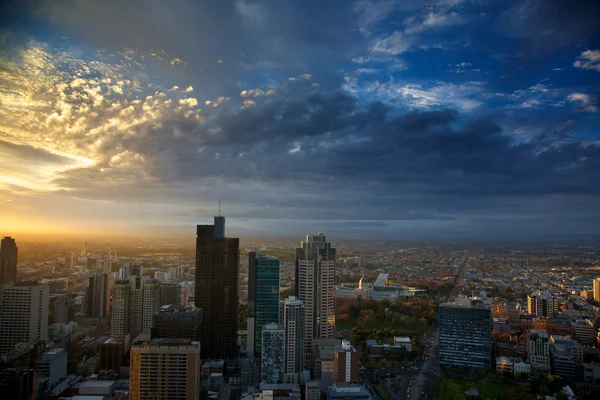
(23, 314)
(315, 287)
(273, 357)
(263, 298)
(466, 333)
(294, 317)
(177, 322)
(538, 351)
(542, 304)
(8, 261)
(216, 290)
(119, 326)
(165, 369)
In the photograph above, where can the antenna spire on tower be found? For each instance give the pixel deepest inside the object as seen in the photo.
(219, 207)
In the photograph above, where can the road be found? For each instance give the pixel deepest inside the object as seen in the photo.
(421, 386)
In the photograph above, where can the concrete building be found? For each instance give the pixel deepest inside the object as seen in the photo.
(62, 308)
(119, 326)
(8, 261)
(279, 391)
(216, 290)
(52, 365)
(165, 369)
(97, 295)
(570, 345)
(584, 331)
(294, 318)
(177, 322)
(23, 314)
(263, 298)
(250, 373)
(150, 303)
(542, 304)
(466, 333)
(273, 357)
(345, 363)
(312, 391)
(112, 352)
(348, 391)
(315, 286)
(538, 350)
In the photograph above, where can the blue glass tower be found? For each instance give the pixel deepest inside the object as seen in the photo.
(263, 298)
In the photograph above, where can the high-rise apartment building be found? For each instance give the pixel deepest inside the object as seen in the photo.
(23, 314)
(150, 303)
(263, 298)
(542, 304)
(597, 290)
(217, 265)
(177, 322)
(345, 363)
(294, 315)
(165, 369)
(97, 295)
(315, 286)
(273, 357)
(136, 306)
(119, 326)
(466, 333)
(8, 261)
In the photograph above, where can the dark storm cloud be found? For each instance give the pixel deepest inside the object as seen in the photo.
(550, 24)
(328, 145)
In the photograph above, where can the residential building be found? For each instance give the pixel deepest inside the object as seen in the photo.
(165, 369)
(273, 356)
(345, 363)
(177, 322)
(315, 286)
(98, 295)
(150, 303)
(466, 333)
(542, 304)
(216, 291)
(119, 326)
(263, 298)
(23, 314)
(294, 318)
(8, 261)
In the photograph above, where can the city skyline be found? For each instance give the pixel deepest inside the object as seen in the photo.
(414, 119)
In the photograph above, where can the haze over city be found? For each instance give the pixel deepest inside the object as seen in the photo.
(410, 119)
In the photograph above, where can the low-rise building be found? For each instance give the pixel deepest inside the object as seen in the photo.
(347, 391)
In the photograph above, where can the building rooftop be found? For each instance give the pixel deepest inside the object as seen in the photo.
(381, 280)
(345, 387)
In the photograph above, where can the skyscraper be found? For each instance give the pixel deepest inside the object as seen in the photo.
(294, 317)
(466, 333)
(263, 297)
(98, 295)
(136, 302)
(171, 293)
(119, 326)
(273, 357)
(217, 263)
(165, 369)
(23, 314)
(150, 303)
(315, 286)
(8, 261)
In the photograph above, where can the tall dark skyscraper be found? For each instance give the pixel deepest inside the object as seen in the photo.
(217, 263)
(8, 261)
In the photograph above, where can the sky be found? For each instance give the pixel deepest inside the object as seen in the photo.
(417, 119)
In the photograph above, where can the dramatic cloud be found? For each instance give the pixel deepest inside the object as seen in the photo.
(360, 118)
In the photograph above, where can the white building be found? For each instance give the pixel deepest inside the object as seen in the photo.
(23, 314)
(52, 365)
